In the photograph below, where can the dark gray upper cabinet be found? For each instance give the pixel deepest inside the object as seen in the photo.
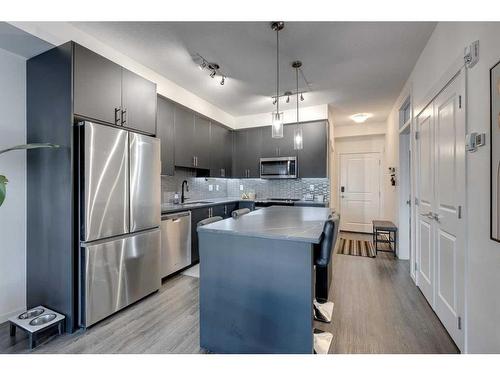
(313, 158)
(138, 102)
(97, 86)
(274, 147)
(165, 131)
(247, 153)
(202, 142)
(184, 138)
(105, 91)
(220, 150)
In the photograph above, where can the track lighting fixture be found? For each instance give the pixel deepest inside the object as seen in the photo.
(212, 67)
(301, 97)
(275, 100)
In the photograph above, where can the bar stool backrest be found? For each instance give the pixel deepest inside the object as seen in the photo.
(323, 255)
(208, 220)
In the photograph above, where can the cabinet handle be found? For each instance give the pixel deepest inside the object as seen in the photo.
(124, 116)
(194, 161)
(117, 115)
(225, 210)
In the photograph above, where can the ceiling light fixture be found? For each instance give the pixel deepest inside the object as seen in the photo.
(298, 140)
(277, 116)
(361, 117)
(212, 67)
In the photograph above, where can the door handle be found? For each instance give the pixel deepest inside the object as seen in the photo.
(124, 116)
(437, 217)
(428, 215)
(117, 115)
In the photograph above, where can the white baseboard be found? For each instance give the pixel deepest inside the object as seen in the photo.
(5, 316)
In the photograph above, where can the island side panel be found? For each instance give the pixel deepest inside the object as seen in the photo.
(255, 294)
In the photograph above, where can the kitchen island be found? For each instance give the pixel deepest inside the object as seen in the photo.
(256, 281)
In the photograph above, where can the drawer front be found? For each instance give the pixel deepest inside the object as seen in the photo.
(118, 273)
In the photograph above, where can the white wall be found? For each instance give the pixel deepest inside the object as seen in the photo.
(445, 46)
(60, 32)
(13, 165)
(360, 129)
(312, 113)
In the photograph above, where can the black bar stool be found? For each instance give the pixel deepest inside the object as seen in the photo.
(323, 309)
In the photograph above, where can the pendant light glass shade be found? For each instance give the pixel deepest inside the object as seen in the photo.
(277, 125)
(298, 139)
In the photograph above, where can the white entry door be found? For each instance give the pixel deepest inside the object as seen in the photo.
(441, 196)
(359, 191)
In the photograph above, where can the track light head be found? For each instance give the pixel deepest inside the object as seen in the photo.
(288, 99)
(203, 65)
(222, 81)
(301, 97)
(275, 100)
(212, 75)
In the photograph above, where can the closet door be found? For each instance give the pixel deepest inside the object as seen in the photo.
(440, 239)
(425, 220)
(449, 124)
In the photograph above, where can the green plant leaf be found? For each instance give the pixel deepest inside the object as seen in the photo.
(29, 146)
(3, 190)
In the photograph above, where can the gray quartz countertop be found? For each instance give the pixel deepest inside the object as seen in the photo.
(304, 224)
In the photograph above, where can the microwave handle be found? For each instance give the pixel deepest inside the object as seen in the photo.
(288, 164)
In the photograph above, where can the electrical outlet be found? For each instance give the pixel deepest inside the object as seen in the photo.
(311, 187)
(241, 187)
(210, 187)
(217, 187)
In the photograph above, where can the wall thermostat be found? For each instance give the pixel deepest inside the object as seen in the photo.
(474, 140)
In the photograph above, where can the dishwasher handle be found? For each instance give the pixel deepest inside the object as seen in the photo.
(176, 215)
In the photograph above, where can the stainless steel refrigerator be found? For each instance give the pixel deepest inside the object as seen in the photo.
(120, 204)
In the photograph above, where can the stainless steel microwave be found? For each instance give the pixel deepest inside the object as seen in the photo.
(282, 167)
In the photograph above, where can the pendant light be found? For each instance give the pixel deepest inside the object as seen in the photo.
(277, 116)
(297, 134)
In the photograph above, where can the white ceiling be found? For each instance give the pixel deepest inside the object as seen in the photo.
(355, 66)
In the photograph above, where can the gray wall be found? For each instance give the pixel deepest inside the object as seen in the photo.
(199, 188)
(13, 165)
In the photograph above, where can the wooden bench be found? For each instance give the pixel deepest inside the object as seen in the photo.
(385, 231)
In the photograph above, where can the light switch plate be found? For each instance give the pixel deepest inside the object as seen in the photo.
(210, 187)
(241, 187)
(217, 187)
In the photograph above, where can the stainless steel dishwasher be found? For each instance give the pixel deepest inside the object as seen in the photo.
(175, 242)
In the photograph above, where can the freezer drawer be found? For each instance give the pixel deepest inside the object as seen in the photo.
(145, 184)
(117, 273)
(175, 242)
(103, 181)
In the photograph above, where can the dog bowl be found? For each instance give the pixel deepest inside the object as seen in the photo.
(33, 313)
(43, 319)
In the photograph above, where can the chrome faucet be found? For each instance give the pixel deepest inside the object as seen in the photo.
(183, 198)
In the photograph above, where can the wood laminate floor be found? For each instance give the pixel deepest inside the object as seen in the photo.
(378, 309)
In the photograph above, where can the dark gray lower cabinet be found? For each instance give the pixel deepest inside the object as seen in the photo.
(165, 132)
(313, 158)
(197, 215)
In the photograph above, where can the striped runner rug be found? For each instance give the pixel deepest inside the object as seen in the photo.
(360, 248)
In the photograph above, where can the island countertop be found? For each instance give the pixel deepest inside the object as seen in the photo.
(303, 224)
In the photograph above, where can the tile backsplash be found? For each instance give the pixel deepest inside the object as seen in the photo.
(206, 188)
(199, 187)
(293, 188)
